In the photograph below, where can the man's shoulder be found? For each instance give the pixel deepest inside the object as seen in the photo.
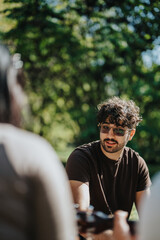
(82, 162)
(131, 154)
(86, 151)
(88, 148)
(89, 145)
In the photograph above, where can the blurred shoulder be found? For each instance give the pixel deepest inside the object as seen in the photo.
(27, 150)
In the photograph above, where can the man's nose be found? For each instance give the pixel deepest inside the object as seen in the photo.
(110, 132)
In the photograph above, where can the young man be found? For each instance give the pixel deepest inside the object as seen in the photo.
(33, 183)
(105, 173)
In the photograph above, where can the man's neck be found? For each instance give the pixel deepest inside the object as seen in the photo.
(114, 156)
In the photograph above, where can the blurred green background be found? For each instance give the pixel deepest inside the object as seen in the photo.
(78, 53)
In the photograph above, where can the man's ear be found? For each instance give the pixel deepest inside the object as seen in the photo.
(133, 131)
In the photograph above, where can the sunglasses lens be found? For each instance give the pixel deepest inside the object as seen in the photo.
(119, 131)
(105, 129)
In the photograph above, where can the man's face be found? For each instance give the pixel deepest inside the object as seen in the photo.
(113, 138)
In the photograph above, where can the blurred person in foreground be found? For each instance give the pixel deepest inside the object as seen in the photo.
(35, 197)
(148, 228)
(105, 173)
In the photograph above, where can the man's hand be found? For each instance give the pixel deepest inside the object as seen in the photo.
(121, 230)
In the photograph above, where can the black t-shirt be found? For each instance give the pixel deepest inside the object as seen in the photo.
(112, 184)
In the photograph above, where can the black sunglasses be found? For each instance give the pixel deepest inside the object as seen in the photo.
(116, 131)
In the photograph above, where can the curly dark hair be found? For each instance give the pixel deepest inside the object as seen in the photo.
(119, 112)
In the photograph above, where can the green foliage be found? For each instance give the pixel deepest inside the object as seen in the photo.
(76, 54)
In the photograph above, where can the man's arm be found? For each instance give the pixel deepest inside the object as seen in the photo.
(80, 193)
(121, 228)
(81, 196)
(140, 195)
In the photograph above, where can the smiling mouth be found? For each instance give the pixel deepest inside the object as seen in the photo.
(110, 142)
